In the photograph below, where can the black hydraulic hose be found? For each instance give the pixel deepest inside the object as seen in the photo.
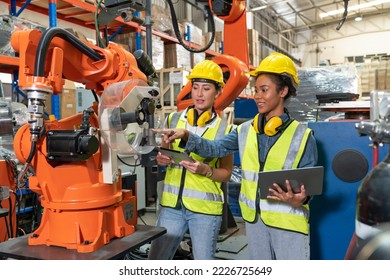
(32, 152)
(40, 59)
(7, 228)
(177, 31)
(6, 223)
(34, 146)
(10, 217)
(95, 95)
(45, 41)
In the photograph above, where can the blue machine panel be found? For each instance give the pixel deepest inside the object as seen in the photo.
(244, 108)
(332, 214)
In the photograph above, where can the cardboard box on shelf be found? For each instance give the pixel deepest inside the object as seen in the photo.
(68, 103)
(68, 100)
(218, 36)
(48, 106)
(176, 56)
(196, 58)
(129, 40)
(171, 82)
(191, 33)
(78, 34)
(217, 45)
(158, 53)
(253, 47)
(161, 18)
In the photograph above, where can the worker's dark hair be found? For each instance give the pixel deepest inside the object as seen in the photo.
(281, 81)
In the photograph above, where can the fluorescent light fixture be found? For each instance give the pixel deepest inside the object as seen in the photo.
(266, 5)
(354, 8)
(258, 8)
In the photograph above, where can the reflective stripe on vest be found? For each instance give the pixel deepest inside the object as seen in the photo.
(284, 154)
(200, 194)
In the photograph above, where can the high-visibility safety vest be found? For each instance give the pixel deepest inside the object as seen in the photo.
(196, 192)
(284, 154)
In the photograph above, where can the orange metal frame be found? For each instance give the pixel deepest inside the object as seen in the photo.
(238, 79)
(235, 23)
(116, 65)
(80, 212)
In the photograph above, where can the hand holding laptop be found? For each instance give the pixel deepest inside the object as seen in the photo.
(295, 199)
(288, 183)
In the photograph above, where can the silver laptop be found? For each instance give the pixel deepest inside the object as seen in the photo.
(311, 177)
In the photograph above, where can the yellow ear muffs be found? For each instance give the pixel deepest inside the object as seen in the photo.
(204, 118)
(192, 116)
(273, 126)
(270, 128)
(199, 120)
(257, 123)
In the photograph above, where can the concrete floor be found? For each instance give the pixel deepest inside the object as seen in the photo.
(231, 244)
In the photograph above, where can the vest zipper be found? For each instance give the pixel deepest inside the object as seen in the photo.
(182, 179)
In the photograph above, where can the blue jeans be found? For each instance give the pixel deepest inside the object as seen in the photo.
(268, 243)
(203, 230)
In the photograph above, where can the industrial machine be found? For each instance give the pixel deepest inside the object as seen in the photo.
(12, 116)
(72, 162)
(372, 204)
(341, 218)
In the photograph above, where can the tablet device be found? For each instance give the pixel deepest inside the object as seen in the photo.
(175, 155)
(311, 177)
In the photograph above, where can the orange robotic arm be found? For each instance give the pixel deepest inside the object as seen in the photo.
(75, 171)
(238, 78)
(234, 61)
(58, 54)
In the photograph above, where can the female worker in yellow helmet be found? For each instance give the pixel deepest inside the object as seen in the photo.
(192, 198)
(276, 227)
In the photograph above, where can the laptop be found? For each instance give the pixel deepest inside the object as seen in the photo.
(311, 177)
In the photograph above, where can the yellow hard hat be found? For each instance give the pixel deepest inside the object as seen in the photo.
(279, 64)
(207, 70)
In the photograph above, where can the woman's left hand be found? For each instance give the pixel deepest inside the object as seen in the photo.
(195, 167)
(294, 199)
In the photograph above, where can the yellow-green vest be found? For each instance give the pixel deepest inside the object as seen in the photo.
(198, 193)
(284, 154)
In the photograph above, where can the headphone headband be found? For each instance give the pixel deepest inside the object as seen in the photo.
(271, 127)
(201, 119)
(202, 80)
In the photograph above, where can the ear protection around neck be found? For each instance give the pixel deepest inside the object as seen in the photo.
(202, 119)
(271, 127)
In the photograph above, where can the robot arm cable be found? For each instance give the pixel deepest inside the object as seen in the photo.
(45, 41)
(344, 15)
(177, 31)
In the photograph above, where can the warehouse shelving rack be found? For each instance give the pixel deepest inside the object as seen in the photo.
(77, 12)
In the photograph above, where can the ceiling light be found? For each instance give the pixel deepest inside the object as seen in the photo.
(266, 5)
(258, 8)
(354, 8)
(358, 18)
